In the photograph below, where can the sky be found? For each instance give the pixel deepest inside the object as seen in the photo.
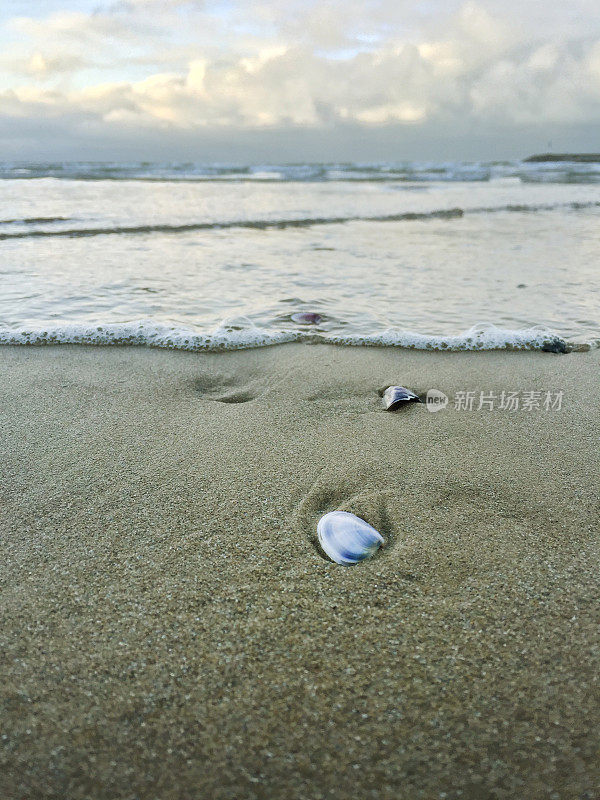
(295, 80)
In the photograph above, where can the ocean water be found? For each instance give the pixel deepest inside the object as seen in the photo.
(448, 255)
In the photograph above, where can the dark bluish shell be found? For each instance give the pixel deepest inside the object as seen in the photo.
(556, 345)
(307, 318)
(394, 396)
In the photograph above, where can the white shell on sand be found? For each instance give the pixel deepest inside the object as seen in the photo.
(347, 539)
(395, 396)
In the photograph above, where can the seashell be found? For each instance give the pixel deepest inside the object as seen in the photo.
(394, 396)
(307, 318)
(347, 539)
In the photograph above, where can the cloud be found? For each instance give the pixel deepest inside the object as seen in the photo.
(549, 83)
(286, 64)
(290, 87)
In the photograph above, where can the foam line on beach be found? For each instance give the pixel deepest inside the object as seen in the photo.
(281, 224)
(257, 224)
(34, 221)
(151, 334)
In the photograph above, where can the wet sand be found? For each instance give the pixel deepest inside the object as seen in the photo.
(169, 628)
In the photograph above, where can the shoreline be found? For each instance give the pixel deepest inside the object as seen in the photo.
(170, 629)
(482, 337)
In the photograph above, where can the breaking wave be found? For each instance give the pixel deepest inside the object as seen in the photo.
(562, 171)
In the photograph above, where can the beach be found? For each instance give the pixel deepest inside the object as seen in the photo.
(170, 628)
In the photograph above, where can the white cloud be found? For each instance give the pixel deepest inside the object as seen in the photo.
(286, 63)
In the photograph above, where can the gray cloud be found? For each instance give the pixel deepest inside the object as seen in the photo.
(277, 66)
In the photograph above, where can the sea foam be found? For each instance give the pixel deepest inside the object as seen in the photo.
(227, 336)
